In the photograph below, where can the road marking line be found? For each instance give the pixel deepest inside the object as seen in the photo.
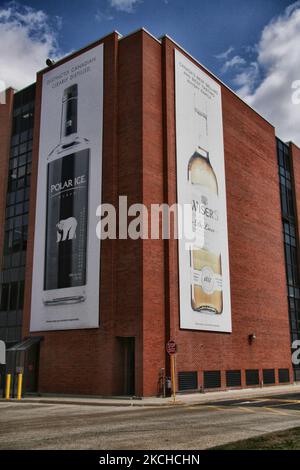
(275, 411)
(248, 410)
(211, 408)
(198, 407)
(217, 408)
(285, 400)
(283, 405)
(289, 409)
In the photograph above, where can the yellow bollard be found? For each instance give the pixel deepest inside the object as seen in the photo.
(7, 389)
(20, 380)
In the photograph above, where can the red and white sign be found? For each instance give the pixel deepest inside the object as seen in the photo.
(171, 347)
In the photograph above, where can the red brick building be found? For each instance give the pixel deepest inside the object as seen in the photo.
(139, 280)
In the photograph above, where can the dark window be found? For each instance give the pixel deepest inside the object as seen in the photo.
(20, 195)
(233, 378)
(269, 376)
(187, 381)
(13, 296)
(16, 221)
(4, 297)
(22, 160)
(212, 379)
(290, 237)
(3, 333)
(252, 377)
(3, 319)
(15, 138)
(11, 198)
(14, 153)
(284, 376)
(21, 295)
(21, 171)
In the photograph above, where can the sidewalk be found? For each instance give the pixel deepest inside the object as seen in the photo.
(181, 400)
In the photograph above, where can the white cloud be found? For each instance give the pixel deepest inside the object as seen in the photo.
(266, 84)
(246, 79)
(236, 61)
(103, 16)
(225, 54)
(124, 5)
(27, 39)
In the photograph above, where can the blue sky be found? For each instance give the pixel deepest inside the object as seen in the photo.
(252, 45)
(204, 28)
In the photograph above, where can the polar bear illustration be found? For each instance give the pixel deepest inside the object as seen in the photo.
(66, 229)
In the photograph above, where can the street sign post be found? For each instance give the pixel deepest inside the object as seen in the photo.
(171, 347)
(171, 350)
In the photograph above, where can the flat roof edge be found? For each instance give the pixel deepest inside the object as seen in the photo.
(159, 40)
(217, 78)
(289, 142)
(82, 48)
(139, 30)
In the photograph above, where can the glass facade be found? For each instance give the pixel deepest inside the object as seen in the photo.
(290, 241)
(12, 275)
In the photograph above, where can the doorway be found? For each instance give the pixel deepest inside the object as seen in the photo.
(128, 365)
(24, 358)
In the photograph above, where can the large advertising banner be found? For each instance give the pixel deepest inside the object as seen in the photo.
(203, 250)
(66, 263)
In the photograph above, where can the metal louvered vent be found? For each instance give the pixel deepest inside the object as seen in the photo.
(187, 381)
(212, 379)
(269, 376)
(284, 375)
(233, 378)
(252, 377)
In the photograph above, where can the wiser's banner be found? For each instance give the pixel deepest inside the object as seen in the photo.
(203, 248)
(66, 264)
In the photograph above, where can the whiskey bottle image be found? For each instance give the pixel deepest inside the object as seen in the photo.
(65, 269)
(205, 251)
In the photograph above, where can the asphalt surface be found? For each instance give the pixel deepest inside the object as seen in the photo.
(59, 426)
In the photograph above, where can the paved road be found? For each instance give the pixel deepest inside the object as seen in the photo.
(52, 426)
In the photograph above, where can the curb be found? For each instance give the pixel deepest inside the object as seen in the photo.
(88, 403)
(211, 398)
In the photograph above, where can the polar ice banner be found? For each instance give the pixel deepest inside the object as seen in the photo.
(66, 264)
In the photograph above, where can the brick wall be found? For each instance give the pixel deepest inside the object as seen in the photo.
(129, 293)
(139, 279)
(257, 265)
(153, 193)
(84, 361)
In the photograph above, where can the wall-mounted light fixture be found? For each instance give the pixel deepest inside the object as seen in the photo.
(252, 338)
(50, 62)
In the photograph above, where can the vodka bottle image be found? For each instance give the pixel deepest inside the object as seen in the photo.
(67, 210)
(205, 251)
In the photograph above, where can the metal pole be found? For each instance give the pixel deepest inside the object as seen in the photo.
(164, 383)
(7, 389)
(173, 376)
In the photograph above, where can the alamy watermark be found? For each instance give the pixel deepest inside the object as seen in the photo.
(189, 222)
(296, 353)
